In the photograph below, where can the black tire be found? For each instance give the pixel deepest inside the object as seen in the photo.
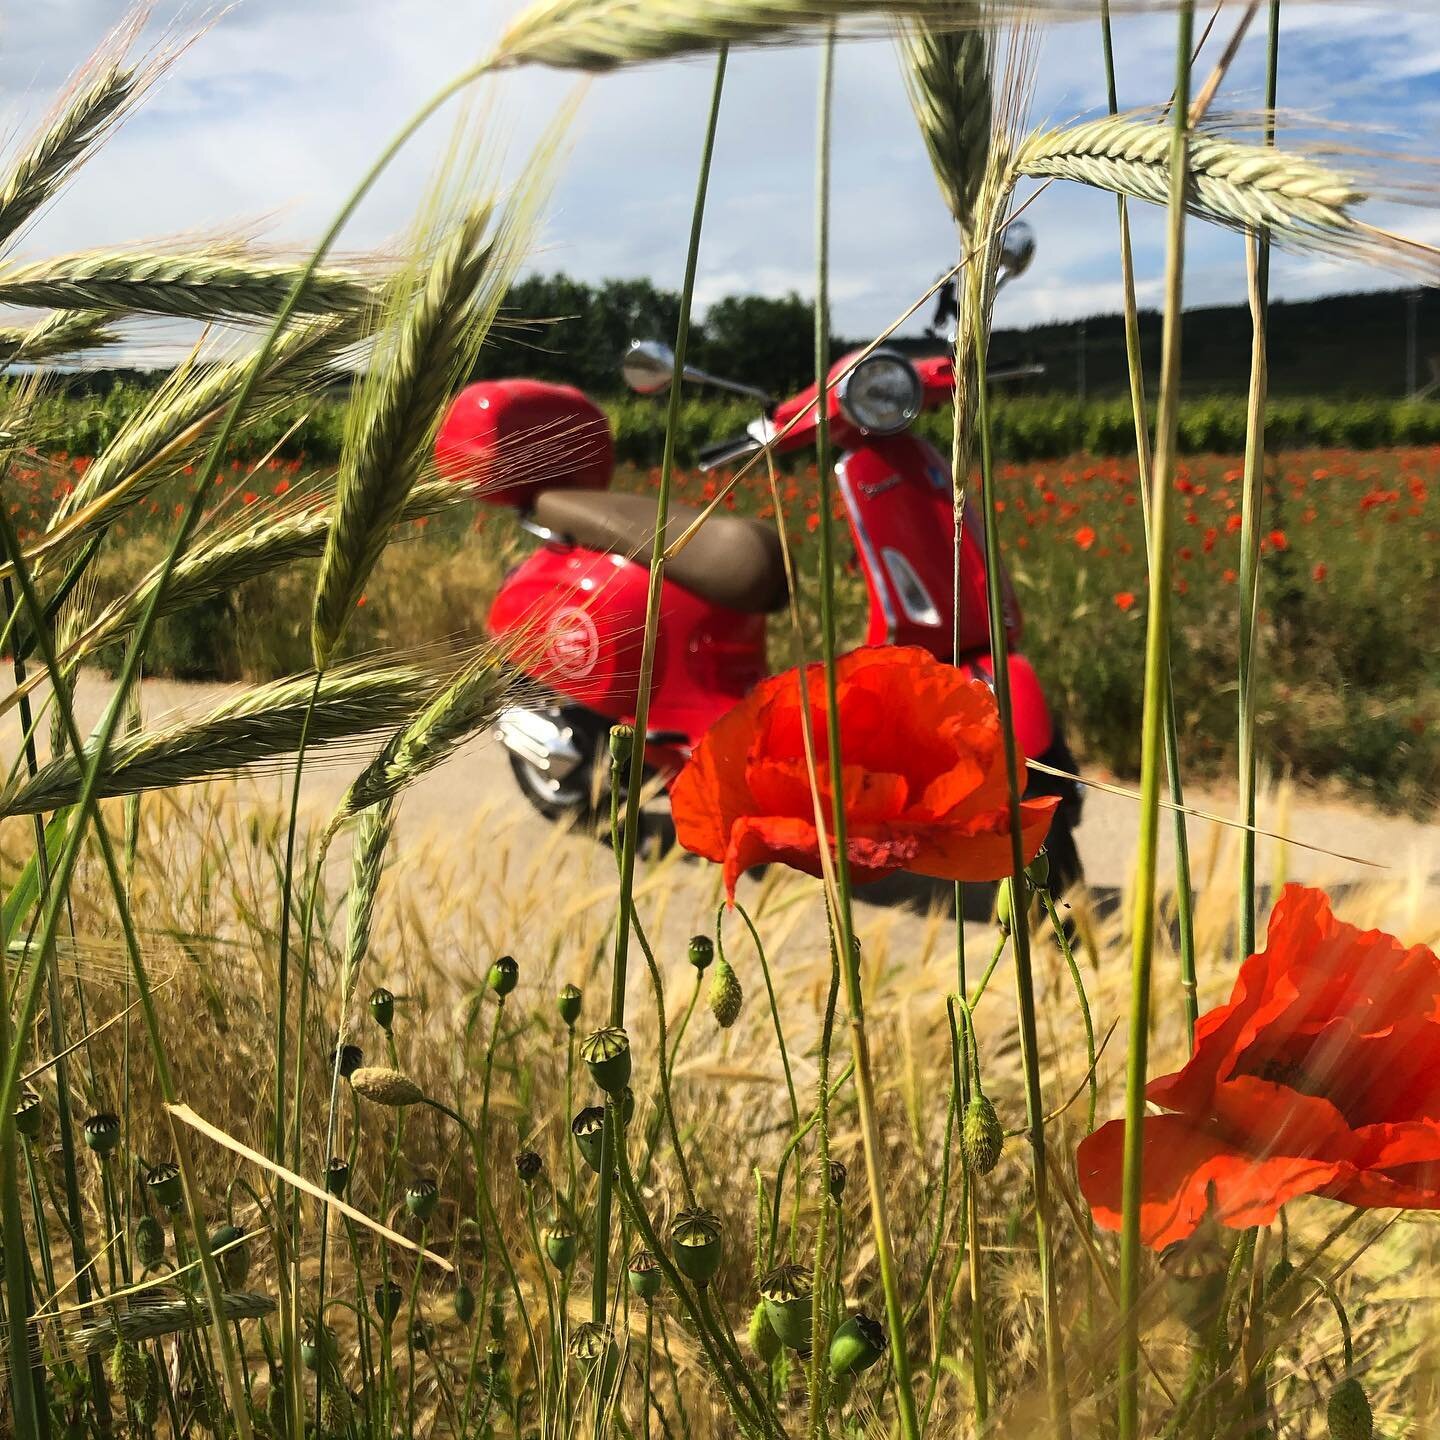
(1066, 867)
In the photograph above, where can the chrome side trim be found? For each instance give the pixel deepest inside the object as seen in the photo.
(539, 740)
(867, 546)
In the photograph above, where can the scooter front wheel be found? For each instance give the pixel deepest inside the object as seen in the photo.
(559, 757)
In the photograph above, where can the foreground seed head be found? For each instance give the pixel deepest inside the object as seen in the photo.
(982, 1137)
(1282, 1299)
(149, 1242)
(588, 1128)
(1004, 907)
(702, 952)
(696, 1239)
(622, 744)
(421, 1198)
(316, 1345)
(382, 1007)
(463, 1302)
(529, 1166)
(232, 1255)
(838, 1176)
(856, 1345)
(560, 1246)
(337, 1177)
(726, 996)
(763, 1339)
(644, 1276)
(1037, 872)
(607, 1052)
(28, 1114)
(383, 1086)
(504, 975)
(785, 1294)
(128, 1371)
(567, 1002)
(1348, 1414)
(347, 1059)
(102, 1132)
(164, 1184)
(388, 1298)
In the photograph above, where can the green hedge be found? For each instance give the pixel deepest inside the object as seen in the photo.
(1027, 428)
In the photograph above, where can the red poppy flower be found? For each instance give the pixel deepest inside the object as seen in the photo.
(1320, 1077)
(1085, 537)
(1125, 600)
(924, 775)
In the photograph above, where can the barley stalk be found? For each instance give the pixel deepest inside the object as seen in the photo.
(261, 724)
(438, 334)
(53, 153)
(1248, 187)
(64, 333)
(223, 286)
(149, 1321)
(947, 72)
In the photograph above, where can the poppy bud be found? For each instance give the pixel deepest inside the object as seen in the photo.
(567, 1002)
(838, 1176)
(337, 1177)
(763, 1340)
(149, 1242)
(347, 1059)
(28, 1114)
(981, 1136)
(644, 1276)
(560, 1246)
(382, 1007)
(695, 1237)
(726, 996)
(529, 1166)
(1004, 907)
(1282, 1299)
(622, 744)
(702, 952)
(856, 1345)
(504, 975)
(233, 1259)
(420, 1334)
(607, 1052)
(588, 1128)
(388, 1298)
(463, 1303)
(383, 1086)
(1037, 872)
(165, 1186)
(315, 1344)
(102, 1132)
(128, 1371)
(1348, 1413)
(422, 1197)
(785, 1293)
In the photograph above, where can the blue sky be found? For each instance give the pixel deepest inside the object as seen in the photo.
(273, 114)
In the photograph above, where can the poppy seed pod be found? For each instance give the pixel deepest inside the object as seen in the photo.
(383, 1086)
(785, 1293)
(763, 1340)
(560, 1246)
(102, 1132)
(382, 1007)
(594, 1350)
(164, 1184)
(504, 976)
(347, 1059)
(588, 1128)
(1037, 872)
(337, 1177)
(149, 1242)
(622, 744)
(856, 1345)
(702, 952)
(388, 1298)
(529, 1166)
(1348, 1413)
(128, 1371)
(838, 1176)
(420, 1336)
(233, 1257)
(1004, 907)
(463, 1303)
(567, 1002)
(982, 1137)
(696, 1239)
(1282, 1299)
(607, 1052)
(315, 1344)
(421, 1198)
(644, 1276)
(28, 1114)
(726, 996)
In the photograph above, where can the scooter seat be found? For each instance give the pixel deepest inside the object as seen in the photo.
(733, 560)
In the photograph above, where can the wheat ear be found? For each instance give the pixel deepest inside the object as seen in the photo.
(1247, 187)
(377, 824)
(192, 287)
(64, 333)
(947, 72)
(152, 1319)
(397, 420)
(261, 724)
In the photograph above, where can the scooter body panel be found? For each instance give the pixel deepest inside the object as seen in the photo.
(1034, 725)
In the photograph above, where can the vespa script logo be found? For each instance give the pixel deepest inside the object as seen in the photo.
(572, 644)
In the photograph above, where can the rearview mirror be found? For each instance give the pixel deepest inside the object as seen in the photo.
(648, 367)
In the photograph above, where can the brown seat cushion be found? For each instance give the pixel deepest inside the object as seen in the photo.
(732, 560)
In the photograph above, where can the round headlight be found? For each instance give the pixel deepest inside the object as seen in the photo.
(882, 394)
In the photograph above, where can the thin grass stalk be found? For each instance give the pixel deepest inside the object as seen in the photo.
(1135, 365)
(1055, 1378)
(1257, 261)
(849, 955)
(631, 833)
(1157, 642)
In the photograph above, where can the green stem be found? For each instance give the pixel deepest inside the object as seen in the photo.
(1151, 744)
(774, 1009)
(1092, 1084)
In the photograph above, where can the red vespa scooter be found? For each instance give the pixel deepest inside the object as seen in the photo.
(573, 612)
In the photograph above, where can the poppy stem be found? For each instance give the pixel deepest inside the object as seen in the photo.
(1151, 745)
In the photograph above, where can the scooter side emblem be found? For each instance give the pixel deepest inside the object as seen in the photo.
(572, 644)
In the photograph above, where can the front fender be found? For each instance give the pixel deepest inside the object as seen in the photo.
(1034, 725)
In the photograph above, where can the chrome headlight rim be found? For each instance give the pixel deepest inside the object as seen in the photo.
(844, 393)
